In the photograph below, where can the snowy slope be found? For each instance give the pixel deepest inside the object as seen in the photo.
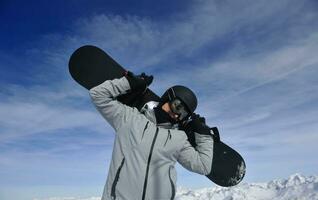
(295, 187)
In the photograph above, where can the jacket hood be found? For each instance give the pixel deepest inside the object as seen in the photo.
(149, 111)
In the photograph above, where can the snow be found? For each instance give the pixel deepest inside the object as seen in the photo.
(296, 187)
(70, 198)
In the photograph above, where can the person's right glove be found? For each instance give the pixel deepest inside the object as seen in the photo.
(138, 83)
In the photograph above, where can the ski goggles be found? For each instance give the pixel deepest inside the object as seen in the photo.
(179, 108)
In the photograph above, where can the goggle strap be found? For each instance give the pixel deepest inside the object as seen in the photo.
(169, 95)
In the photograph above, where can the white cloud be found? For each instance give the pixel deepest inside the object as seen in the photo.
(42, 110)
(141, 42)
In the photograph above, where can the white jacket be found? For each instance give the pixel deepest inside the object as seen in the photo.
(144, 154)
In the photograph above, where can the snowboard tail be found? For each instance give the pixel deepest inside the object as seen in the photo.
(228, 166)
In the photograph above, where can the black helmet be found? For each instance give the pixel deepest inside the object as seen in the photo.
(184, 94)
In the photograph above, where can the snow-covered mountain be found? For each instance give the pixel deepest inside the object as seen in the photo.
(296, 187)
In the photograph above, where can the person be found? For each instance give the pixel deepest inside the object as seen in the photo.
(149, 142)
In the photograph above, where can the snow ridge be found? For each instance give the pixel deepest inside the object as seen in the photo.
(296, 187)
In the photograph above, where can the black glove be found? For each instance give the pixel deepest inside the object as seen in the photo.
(198, 125)
(189, 127)
(185, 126)
(138, 83)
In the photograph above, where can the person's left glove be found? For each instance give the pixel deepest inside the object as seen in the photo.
(138, 83)
(198, 125)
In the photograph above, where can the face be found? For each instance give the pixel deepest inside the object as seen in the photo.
(176, 110)
(173, 115)
(178, 107)
(167, 109)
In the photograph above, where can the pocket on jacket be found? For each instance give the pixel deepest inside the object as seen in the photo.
(172, 182)
(137, 134)
(113, 189)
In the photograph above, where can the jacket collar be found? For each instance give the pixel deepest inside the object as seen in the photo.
(149, 112)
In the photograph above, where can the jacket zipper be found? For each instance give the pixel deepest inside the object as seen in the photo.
(172, 186)
(144, 129)
(148, 164)
(113, 192)
(168, 137)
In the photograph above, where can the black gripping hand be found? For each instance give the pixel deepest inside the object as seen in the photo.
(189, 128)
(198, 125)
(138, 83)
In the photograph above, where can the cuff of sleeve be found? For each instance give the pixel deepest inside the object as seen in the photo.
(200, 138)
(125, 83)
(121, 83)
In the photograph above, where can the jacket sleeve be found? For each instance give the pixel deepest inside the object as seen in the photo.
(104, 98)
(198, 159)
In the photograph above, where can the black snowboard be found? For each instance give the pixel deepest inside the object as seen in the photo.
(90, 66)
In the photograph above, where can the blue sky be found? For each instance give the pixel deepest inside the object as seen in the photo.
(253, 65)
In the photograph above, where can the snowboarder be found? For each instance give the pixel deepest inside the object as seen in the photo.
(148, 142)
